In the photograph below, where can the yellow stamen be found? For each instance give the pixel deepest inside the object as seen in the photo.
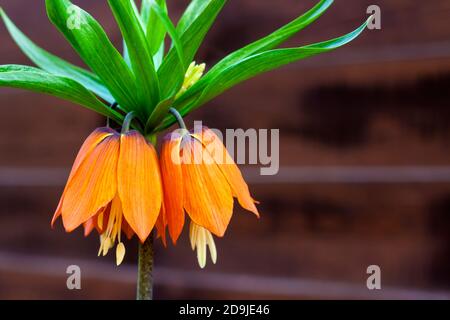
(120, 253)
(102, 239)
(106, 245)
(200, 239)
(211, 246)
(113, 232)
(201, 248)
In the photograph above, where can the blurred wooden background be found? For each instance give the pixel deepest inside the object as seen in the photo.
(365, 164)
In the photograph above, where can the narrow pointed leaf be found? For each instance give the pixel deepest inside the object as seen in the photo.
(91, 42)
(154, 26)
(195, 8)
(158, 57)
(54, 64)
(270, 60)
(260, 63)
(162, 108)
(267, 61)
(273, 40)
(37, 80)
(125, 54)
(269, 42)
(154, 29)
(162, 16)
(139, 53)
(191, 38)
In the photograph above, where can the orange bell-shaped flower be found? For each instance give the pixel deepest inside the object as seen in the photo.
(201, 178)
(114, 186)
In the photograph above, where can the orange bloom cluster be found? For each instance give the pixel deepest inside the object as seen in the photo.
(117, 185)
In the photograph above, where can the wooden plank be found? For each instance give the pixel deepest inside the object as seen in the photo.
(102, 281)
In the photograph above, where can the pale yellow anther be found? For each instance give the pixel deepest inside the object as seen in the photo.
(211, 246)
(102, 239)
(201, 238)
(106, 245)
(201, 247)
(120, 253)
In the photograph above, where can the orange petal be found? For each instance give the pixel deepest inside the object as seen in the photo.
(172, 178)
(89, 226)
(93, 223)
(217, 150)
(161, 224)
(93, 185)
(207, 195)
(139, 183)
(57, 213)
(102, 218)
(89, 144)
(127, 229)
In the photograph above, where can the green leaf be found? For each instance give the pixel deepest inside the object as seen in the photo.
(195, 8)
(191, 39)
(138, 14)
(161, 14)
(269, 42)
(37, 80)
(274, 39)
(158, 57)
(161, 110)
(257, 64)
(158, 114)
(125, 54)
(91, 42)
(155, 27)
(54, 64)
(267, 61)
(139, 53)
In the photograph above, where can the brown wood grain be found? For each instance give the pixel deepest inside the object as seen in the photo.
(381, 101)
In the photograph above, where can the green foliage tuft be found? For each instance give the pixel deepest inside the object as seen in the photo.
(147, 78)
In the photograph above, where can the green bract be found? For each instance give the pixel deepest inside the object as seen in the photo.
(147, 77)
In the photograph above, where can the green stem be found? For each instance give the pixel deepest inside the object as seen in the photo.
(179, 118)
(145, 270)
(127, 122)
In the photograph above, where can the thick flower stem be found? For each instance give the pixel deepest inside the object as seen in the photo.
(145, 270)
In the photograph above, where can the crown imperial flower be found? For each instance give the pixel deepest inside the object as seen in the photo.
(114, 187)
(201, 179)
